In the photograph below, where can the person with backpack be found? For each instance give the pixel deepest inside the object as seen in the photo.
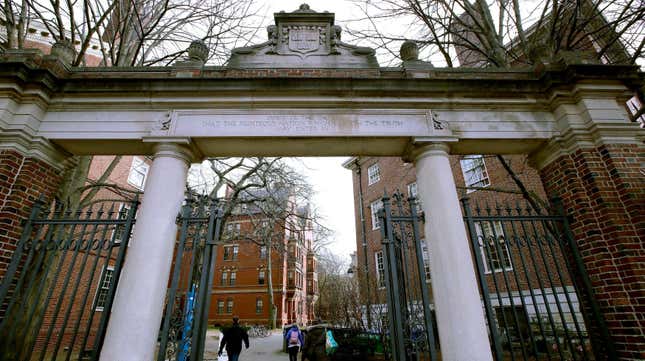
(233, 338)
(295, 340)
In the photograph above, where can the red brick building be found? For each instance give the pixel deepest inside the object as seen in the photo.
(242, 273)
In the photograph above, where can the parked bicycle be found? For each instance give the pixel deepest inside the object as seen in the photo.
(258, 331)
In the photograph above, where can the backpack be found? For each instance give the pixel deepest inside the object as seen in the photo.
(293, 338)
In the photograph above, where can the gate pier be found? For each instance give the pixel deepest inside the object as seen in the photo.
(138, 305)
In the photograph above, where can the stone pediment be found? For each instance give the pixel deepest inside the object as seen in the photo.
(303, 39)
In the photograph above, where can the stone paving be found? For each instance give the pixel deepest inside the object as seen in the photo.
(260, 348)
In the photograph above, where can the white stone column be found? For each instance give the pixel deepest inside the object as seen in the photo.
(138, 306)
(460, 317)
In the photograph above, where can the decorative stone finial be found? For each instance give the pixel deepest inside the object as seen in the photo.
(304, 8)
(198, 51)
(64, 50)
(409, 51)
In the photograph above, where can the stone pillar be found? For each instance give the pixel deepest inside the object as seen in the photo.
(138, 305)
(460, 316)
(596, 168)
(23, 178)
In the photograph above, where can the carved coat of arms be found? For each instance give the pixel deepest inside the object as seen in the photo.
(303, 39)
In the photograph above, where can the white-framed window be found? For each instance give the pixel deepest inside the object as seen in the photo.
(413, 192)
(261, 276)
(231, 252)
(220, 306)
(224, 278)
(426, 258)
(104, 288)
(118, 234)
(229, 305)
(233, 229)
(233, 278)
(493, 247)
(633, 104)
(474, 170)
(375, 207)
(373, 174)
(380, 268)
(259, 305)
(138, 172)
(263, 252)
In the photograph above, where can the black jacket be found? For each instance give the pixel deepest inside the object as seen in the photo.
(233, 338)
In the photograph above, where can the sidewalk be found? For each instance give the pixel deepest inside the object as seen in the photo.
(260, 348)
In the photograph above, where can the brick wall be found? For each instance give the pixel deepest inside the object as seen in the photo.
(603, 192)
(22, 181)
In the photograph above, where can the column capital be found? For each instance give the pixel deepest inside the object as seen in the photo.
(184, 151)
(419, 150)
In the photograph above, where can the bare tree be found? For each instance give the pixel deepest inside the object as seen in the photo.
(340, 302)
(133, 32)
(506, 33)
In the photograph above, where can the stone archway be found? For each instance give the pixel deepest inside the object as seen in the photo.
(304, 92)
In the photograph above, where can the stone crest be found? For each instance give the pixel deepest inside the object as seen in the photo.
(304, 39)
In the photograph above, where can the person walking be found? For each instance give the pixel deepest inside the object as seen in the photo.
(233, 338)
(295, 340)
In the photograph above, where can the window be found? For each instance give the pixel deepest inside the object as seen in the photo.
(119, 230)
(263, 252)
(224, 277)
(426, 258)
(230, 252)
(233, 230)
(380, 269)
(104, 288)
(634, 105)
(261, 277)
(474, 170)
(259, 305)
(229, 306)
(291, 284)
(231, 281)
(493, 247)
(414, 193)
(373, 174)
(138, 172)
(375, 207)
(220, 306)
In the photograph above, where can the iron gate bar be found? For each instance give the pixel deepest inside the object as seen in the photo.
(207, 276)
(425, 296)
(482, 280)
(394, 312)
(542, 287)
(184, 217)
(533, 343)
(86, 296)
(586, 285)
(65, 284)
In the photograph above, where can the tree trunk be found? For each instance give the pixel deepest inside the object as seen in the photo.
(272, 307)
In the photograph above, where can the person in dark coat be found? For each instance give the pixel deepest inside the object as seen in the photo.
(295, 340)
(233, 338)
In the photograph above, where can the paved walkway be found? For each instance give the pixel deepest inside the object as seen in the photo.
(260, 348)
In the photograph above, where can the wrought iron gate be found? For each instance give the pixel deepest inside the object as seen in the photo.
(527, 263)
(409, 331)
(183, 329)
(57, 293)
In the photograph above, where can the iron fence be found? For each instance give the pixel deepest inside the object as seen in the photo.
(185, 320)
(409, 326)
(58, 290)
(527, 278)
